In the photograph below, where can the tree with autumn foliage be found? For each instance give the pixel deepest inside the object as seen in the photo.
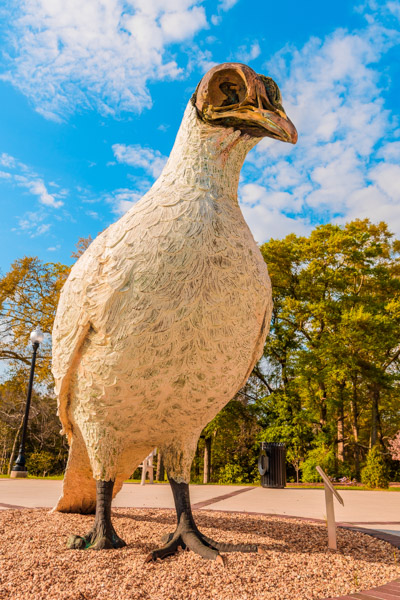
(29, 295)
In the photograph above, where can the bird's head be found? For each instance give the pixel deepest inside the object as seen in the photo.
(233, 95)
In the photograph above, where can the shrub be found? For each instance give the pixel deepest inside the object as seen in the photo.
(345, 470)
(375, 473)
(40, 463)
(231, 473)
(322, 456)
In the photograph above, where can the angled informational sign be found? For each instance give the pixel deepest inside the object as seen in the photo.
(330, 511)
(328, 482)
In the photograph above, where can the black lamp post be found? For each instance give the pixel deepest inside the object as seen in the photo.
(19, 468)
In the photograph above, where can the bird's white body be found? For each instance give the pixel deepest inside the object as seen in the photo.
(162, 319)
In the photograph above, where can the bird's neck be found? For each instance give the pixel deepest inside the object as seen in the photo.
(206, 158)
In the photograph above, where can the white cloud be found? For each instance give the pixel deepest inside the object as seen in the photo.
(152, 161)
(331, 90)
(216, 19)
(262, 218)
(390, 151)
(200, 59)
(32, 224)
(20, 175)
(93, 214)
(23, 176)
(69, 54)
(227, 4)
(245, 54)
(387, 178)
(7, 161)
(38, 188)
(178, 26)
(223, 6)
(122, 200)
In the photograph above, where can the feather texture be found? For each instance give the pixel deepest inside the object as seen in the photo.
(164, 316)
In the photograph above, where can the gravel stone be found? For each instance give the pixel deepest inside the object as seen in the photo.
(296, 563)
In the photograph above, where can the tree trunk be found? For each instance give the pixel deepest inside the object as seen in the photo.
(13, 451)
(375, 416)
(4, 454)
(340, 434)
(207, 460)
(340, 427)
(355, 428)
(160, 473)
(322, 406)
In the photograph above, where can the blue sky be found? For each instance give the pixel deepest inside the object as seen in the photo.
(92, 94)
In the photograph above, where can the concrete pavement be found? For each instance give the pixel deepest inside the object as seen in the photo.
(373, 510)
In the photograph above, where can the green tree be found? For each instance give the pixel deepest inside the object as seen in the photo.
(332, 356)
(229, 442)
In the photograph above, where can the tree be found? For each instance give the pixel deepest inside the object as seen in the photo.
(81, 245)
(44, 426)
(29, 295)
(229, 445)
(333, 352)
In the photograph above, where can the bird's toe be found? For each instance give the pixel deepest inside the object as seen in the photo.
(76, 542)
(95, 541)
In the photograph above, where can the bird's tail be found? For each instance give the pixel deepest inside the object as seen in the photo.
(79, 486)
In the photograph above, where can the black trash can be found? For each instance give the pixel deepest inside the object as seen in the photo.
(272, 465)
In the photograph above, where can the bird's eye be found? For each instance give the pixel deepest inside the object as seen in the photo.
(230, 90)
(226, 88)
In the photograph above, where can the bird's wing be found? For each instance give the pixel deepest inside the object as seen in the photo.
(86, 302)
(110, 290)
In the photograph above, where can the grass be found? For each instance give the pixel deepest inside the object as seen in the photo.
(304, 486)
(360, 488)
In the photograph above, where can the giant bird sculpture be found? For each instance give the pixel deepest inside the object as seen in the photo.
(164, 316)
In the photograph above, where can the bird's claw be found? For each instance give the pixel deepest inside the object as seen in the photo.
(185, 538)
(95, 541)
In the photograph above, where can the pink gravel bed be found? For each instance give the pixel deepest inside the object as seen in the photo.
(296, 565)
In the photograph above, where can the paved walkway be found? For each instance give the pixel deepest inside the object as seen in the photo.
(371, 510)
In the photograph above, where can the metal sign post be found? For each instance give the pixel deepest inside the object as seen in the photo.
(330, 512)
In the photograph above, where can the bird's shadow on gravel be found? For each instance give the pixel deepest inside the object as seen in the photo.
(272, 533)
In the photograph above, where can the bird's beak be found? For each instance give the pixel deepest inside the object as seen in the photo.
(269, 123)
(276, 124)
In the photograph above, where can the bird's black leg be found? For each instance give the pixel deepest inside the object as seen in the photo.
(102, 535)
(187, 534)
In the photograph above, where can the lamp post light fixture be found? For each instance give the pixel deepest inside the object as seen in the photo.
(19, 468)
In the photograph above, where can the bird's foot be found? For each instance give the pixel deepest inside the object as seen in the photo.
(220, 546)
(98, 538)
(188, 537)
(185, 538)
